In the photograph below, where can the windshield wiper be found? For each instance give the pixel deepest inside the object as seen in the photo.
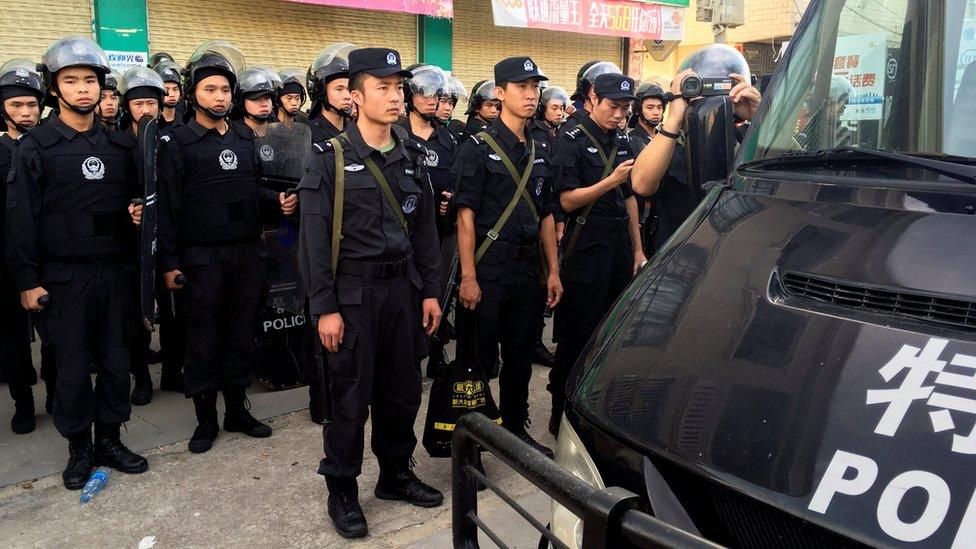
(955, 170)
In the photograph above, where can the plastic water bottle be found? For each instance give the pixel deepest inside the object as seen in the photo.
(95, 484)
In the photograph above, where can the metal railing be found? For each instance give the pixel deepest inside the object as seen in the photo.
(610, 516)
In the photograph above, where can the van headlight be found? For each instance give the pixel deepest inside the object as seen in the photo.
(571, 454)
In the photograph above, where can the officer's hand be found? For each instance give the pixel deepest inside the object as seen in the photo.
(135, 210)
(445, 203)
(745, 97)
(29, 298)
(431, 316)
(331, 331)
(640, 260)
(170, 280)
(469, 292)
(554, 290)
(288, 203)
(676, 108)
(622, 172)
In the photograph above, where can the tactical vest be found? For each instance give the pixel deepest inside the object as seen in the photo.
(220, 192)
(85, 195)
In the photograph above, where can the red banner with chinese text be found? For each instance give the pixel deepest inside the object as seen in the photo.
(433, 8)
(600, 17)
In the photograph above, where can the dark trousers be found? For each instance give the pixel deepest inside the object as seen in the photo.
(377, 366)
(172, 331)
(139, 348)
(221, 300)
(89, 323)
(507, 316)
(598, 270)
(16, 367)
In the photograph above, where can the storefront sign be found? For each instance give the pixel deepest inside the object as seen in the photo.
(861, 60)
(600, 17)
(433, 8)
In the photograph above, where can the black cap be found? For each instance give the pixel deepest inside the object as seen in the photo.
(378, 62)
(614, 86)
(517, 69)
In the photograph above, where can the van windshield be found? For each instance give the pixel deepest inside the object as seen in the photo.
(893, 75)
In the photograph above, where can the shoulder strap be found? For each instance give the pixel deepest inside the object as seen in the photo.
(387, 191)
(581, 219)
(520, 192)
(337, 202)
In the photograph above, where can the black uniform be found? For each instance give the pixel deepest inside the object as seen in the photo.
(509, 273)
(458, 129)
(209, 228)
(541, 132)
(600, 264)
(322, 129)
(440, 149)
(71, 233)
(15, 354)
(639, 138)
(673, 201)
(474, 125)
(383, 273)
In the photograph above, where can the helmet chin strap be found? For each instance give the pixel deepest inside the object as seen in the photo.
(262, 119)
(214, 115)
(76, 109)
(9, 120)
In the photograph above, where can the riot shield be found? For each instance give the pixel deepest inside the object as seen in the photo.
(148, 142)
(282, 152)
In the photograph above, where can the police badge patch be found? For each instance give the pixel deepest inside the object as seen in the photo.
(228, 160)
(539, 182)
(432, 158)
(267, 153)
(410, 204)
(93, 168)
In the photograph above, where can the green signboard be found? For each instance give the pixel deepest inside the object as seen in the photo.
(122, 30)
(435, 37)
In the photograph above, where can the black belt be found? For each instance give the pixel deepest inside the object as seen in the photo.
(513, 250)
(368, 269)
(602, 222)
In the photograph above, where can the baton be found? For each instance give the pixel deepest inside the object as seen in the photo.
(180, 280)
(43, 301)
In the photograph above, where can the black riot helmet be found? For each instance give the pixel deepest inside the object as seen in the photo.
(19, 78)
(74, 51)
(215, 57)
(169, 71)
(139, 83)
(292, 81)
(551, 93)
(579, 78)
(587, 77)
(481, 92)
(458, 91)
(427, 81)
(155, 58)
(254, 82)
(331, 63)
(647, 90)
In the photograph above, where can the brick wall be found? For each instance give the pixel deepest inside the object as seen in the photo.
(27, 28)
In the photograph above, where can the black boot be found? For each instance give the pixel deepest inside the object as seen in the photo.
(344, 510)
(237, 418)
(400, 483)
(205, 406)
(142, 391)
(525, 437)
(23, 420)
(542, 355)
(81, 461)
(110, 451)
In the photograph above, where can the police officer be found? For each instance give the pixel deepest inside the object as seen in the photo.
(254, 99)
(210, 209)
(647, 116)
(291, 97)
(482, 108)
(21, 94)
(504, 214)
(550, 116)
(584, 83)
(328, 86)
(108, 106)
(423, 93)
(72, 238)
(601, 250)
(159, 57)
(142, 93)
(445, 112)
(173, 105)
(375, 290)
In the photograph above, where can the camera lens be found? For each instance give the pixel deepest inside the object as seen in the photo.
(691, 87)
